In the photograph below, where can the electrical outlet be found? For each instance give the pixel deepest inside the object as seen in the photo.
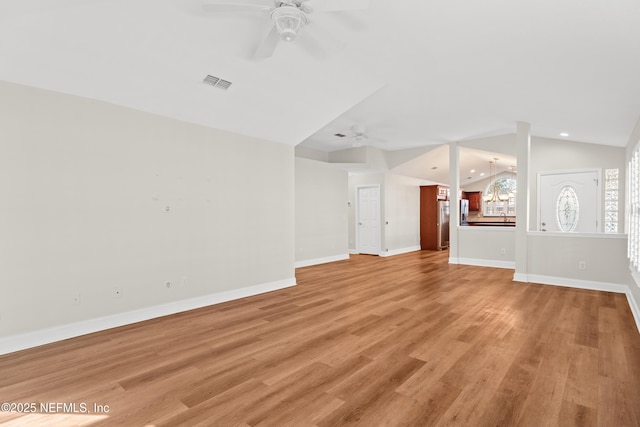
(117, 291)
(76, 299)
(582, 265)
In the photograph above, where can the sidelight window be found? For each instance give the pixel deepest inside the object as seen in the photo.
(611, 201)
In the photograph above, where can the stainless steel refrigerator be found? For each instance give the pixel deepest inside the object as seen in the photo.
(443, 224)
(464, 212)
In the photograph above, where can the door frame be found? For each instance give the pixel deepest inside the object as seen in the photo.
(598, 172)
(357, 215)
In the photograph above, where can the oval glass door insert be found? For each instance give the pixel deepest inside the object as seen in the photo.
(567, 209)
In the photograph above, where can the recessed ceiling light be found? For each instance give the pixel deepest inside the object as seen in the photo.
(482, 174)
(564, 134)
(472, 170)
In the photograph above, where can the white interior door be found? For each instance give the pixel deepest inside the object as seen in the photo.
(368, 220)
(569, 201)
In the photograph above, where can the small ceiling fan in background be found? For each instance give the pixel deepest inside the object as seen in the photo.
(288, 17)
(358, 136)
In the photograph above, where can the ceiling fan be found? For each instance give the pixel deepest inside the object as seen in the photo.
(358, 136)
(288, 17)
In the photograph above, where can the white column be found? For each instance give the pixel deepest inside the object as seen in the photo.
(523, 150)
(454, 204)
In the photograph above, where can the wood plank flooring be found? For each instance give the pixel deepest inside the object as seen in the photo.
(407, 340)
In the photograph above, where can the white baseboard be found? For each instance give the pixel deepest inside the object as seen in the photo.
(494, 263)
(62, 332)
(323, 260)
(353, 252)
(577, 283)
(519, 277)
(400, 251)
(633, 304)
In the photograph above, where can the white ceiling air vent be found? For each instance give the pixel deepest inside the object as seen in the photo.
(216, 82)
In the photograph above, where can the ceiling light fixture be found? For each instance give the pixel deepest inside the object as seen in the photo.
(564, 134)
(289, 21)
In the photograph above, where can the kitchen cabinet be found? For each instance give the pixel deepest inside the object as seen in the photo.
(434, 217)
(475, 200)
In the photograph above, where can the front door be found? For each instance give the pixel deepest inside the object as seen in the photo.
(368, 220)
(568, 201)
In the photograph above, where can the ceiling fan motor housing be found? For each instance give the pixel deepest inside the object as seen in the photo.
(289, 21)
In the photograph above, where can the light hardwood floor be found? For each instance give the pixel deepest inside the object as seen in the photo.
(407, 340)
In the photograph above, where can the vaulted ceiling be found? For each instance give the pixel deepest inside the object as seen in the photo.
(412, 73)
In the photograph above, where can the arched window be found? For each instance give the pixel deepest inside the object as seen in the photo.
(500, 197)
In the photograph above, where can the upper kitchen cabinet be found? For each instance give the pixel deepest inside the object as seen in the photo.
(475, 200)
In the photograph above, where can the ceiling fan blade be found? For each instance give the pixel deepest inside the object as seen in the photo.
(338, 5)
(268, 44)
(232, 6)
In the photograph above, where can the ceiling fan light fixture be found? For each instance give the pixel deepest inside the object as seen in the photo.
(289, 21)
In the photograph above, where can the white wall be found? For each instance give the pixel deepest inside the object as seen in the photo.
(401, 213)
(558, 255)
(555, 258)
(485, 246)
(400, 207)
(321, 213)
(555, 155)
(86, 187)
(495, 144)
(310, 153)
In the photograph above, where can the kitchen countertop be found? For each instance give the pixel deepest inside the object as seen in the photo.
(492, 221)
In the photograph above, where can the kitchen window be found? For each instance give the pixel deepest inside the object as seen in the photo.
(500, 197)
